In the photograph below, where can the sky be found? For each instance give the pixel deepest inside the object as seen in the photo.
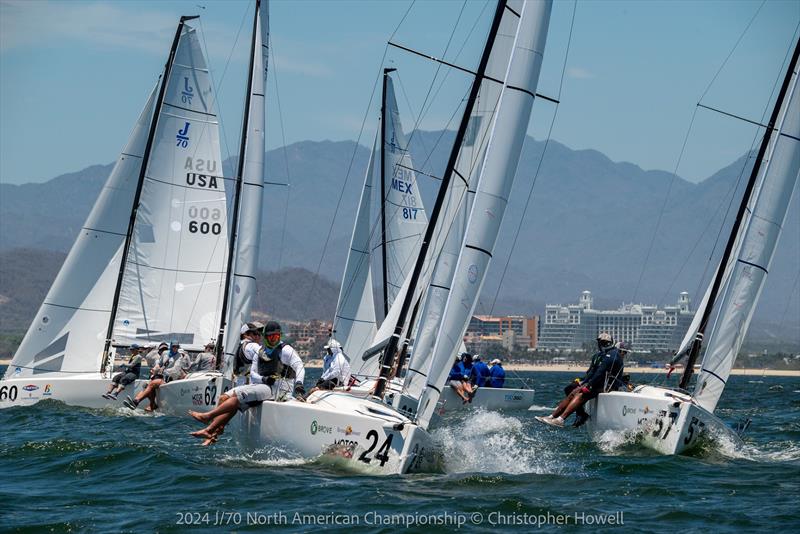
(74, 75)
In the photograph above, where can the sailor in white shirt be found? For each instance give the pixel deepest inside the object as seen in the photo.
(336, 368)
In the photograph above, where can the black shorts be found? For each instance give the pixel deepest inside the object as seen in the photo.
(124, 378)
(328, 384)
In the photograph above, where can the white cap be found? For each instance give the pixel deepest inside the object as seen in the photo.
(333, 344)
(495, 361)
(255, 326)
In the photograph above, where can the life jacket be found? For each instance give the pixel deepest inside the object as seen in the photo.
(275, 367)
(241, 365)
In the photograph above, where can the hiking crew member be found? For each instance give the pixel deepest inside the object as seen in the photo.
(251, 338)
(275, 373)
(129, 374)
(497, 375)
(606, 364)
(480, 372)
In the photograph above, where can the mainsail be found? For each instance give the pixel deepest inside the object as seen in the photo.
(244, 261)
(68, 332)
(514, 65)
(767, 207)
(174, 274)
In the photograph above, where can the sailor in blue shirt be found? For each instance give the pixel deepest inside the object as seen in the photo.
(480, 372)
(459, 378)
(497, 375)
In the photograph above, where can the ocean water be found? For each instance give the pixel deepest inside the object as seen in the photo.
(67, 469)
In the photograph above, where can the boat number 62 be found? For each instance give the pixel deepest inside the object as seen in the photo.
(383, 452)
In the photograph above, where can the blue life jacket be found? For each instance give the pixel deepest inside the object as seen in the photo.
(480, 373)
(497, 376)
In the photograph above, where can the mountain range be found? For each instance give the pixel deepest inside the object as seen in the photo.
(624, 233)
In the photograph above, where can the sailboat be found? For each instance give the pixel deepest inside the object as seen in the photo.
(366, 430)
(153, 260)
(672, 420)
(402, 223)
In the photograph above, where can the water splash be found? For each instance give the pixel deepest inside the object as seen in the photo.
(491, 442)
(540, 408)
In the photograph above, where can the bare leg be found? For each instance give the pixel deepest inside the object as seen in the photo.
(229, 405)
(564, 403)
(576, 402)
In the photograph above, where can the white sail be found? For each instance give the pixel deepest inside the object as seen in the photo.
(516, 60)
(68, 332)
(175, 273)
(768, 207)
(354, 325)
(405, 217)
(248, 233)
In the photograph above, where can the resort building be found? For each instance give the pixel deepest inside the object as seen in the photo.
(510, 331)
(647, 327)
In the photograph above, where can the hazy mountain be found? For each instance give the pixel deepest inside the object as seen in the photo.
(590, 224)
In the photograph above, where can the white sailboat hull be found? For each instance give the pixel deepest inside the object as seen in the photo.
(665, 421)
(198, 391)
(494, 399)
(361, 433)
(83, 390)
(86, 390)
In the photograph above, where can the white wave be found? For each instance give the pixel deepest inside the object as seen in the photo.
(489, 442)
(611, 441)
(540, 408)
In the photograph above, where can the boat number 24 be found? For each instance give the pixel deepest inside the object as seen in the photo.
(383, 452)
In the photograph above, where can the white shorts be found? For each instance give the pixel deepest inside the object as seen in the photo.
(252, 395)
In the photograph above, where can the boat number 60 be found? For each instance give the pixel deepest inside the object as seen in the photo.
(383, 452)
(10, 393)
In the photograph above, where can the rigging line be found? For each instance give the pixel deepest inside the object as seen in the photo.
(422, 111)
(285, 153)
(683, 148)
(735, 186)
(353, 157)
(224, 72)
(739, 40)
(541, 160)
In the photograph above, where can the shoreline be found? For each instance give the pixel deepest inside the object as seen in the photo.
(567, 368)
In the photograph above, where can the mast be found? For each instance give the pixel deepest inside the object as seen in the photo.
(383, 193)
(391, 348)
(139, 186)
(740, 215)
(220, 348)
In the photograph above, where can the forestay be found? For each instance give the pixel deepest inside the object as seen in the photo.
(68, 332)
(759, 238)
(174, 276)
(514, 65)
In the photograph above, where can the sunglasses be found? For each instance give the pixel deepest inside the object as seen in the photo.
(274, 336)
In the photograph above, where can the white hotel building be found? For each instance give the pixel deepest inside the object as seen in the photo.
(647, 328)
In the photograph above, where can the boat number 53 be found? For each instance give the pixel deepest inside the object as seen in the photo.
(662, 422)
(383, 452)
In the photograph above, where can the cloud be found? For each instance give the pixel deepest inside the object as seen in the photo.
(579, 73)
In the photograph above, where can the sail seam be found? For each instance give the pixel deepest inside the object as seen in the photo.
(131, 155)
(103, 231)
(440, 287)
(173, 270)
(76, 308)
(508, 7)
(189, 110)
(353, 319)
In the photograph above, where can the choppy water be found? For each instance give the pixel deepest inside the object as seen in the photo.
(69, 469)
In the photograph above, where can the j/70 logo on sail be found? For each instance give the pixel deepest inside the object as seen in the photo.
(183, 136)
